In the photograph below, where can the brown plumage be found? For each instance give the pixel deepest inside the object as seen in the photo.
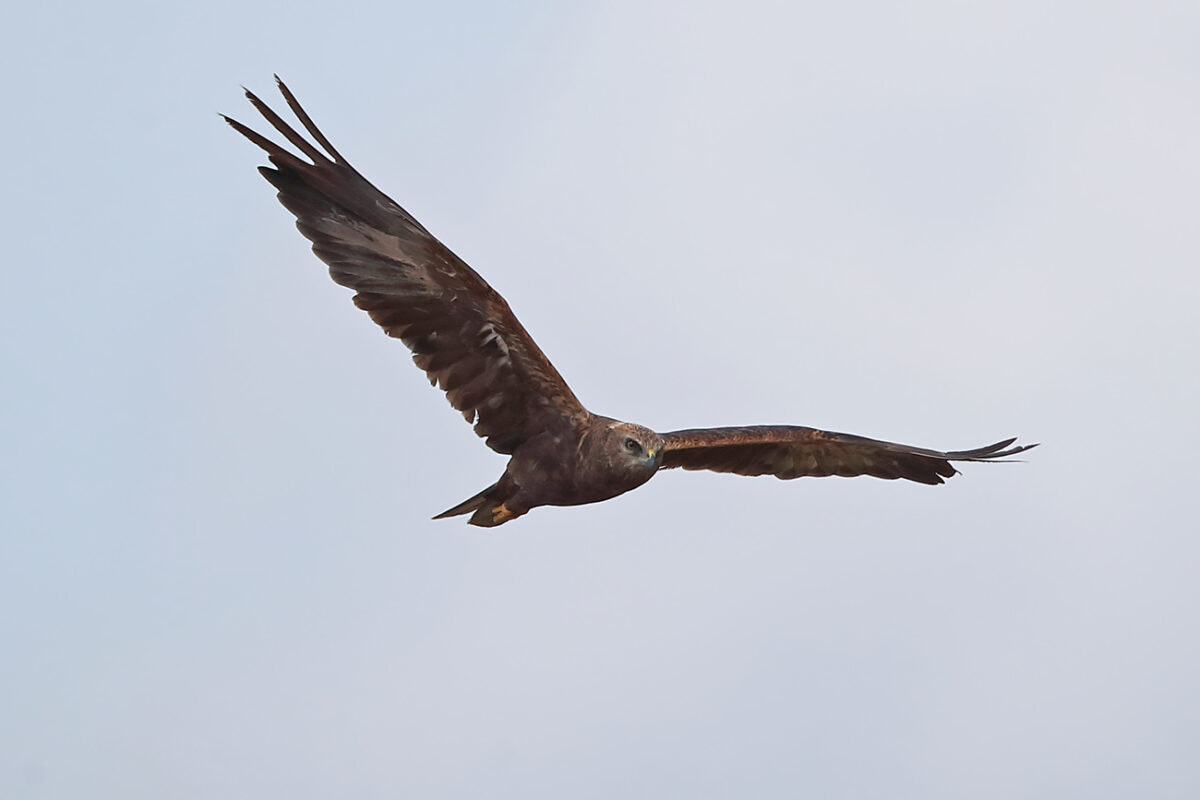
(467, 340)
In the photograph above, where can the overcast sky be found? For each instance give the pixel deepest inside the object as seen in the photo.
(936, 223)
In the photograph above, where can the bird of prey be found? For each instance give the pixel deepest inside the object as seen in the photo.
(463, 335)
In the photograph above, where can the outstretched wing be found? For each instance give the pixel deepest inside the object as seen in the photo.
(460, 330)
(793, 452)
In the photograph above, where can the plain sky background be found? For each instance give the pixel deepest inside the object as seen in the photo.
(937, 223)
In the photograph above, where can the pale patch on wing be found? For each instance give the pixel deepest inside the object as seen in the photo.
(492, 337)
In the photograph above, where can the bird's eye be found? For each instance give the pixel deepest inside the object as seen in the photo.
(633, 446)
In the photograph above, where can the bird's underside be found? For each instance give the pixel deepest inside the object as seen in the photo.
(464, 336)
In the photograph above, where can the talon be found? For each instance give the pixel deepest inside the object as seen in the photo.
(501, 513)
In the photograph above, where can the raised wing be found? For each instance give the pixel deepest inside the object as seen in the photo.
(793, 452)
(459, 329)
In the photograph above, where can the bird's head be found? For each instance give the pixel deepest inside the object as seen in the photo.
(637, 449)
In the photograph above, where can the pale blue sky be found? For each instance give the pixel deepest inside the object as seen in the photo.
(939, 223)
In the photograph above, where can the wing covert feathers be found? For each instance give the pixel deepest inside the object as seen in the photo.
(793, 452)
(460, 330)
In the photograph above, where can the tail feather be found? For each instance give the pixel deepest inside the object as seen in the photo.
(468, 505)
(490, 507)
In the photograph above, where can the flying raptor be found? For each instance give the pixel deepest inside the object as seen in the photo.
(468, 342)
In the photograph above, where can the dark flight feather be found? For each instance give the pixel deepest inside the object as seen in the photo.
(787, 451)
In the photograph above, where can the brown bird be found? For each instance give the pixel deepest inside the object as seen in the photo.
(465, 338)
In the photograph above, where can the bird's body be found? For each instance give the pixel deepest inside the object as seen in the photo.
(553, 469)
(464, 336)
